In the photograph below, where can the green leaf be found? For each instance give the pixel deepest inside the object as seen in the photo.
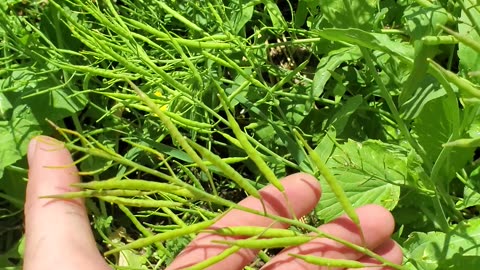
(5, 106)
(301, 13)
(350, 14)
(422, 21)
(437, 250)
(433, 127)
(7, 258)
(373, 41)
(367, 172)
(470, 198)
(469, 58)
(275, 14)
(242, 12)
(45, 95)
(12, 187)
(329, 63)
(324, 149)
(341, 117)
(15, 136)
(427, 91)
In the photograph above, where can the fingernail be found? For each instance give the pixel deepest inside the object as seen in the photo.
(44, 143)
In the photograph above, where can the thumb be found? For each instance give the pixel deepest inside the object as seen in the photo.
(58, 234)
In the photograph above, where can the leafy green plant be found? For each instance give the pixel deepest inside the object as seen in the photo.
(170, 107)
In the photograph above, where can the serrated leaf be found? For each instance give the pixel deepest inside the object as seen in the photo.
(367, 172)
(458, 249)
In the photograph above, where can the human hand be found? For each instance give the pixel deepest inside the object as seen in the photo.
(58, 233)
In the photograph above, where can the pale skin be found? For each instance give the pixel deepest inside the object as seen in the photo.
(59, 236)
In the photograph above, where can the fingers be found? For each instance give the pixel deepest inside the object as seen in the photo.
(377, 225)
(303, 193)
(389, 250)
(58, 234)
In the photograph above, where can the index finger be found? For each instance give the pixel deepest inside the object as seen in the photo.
(57, 232)
(303, 192)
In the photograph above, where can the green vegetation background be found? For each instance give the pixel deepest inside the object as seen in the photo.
(386, 92)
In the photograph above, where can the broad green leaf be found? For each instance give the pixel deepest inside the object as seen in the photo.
(421, 21)
(350, 13)
(275, 14)
(470, 198)
(419, 204)
(46, 97)
(167, 150)
(471, 191)
(13, 185)
(131, 259)
(469, 58)
(417, 177)
(242, 12)
(127, 258)
(341, 117)
(5, 106)
(301, 13)
(324, 149)
(15, 136)
(295, 112)
(474, 128)
(433, 128)
(329, 63)
(413, 88)
(426, 91)
(8, 257)
(459, 249)
(368, 172)
(374, 41)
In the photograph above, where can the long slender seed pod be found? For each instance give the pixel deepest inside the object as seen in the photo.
(139, 202)
(269, 243)
(329, 262)
(174, 133)
(143, 242)
(465, 86)
(332, 182)
(251, 231)
(249, 149)
(226, 169)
